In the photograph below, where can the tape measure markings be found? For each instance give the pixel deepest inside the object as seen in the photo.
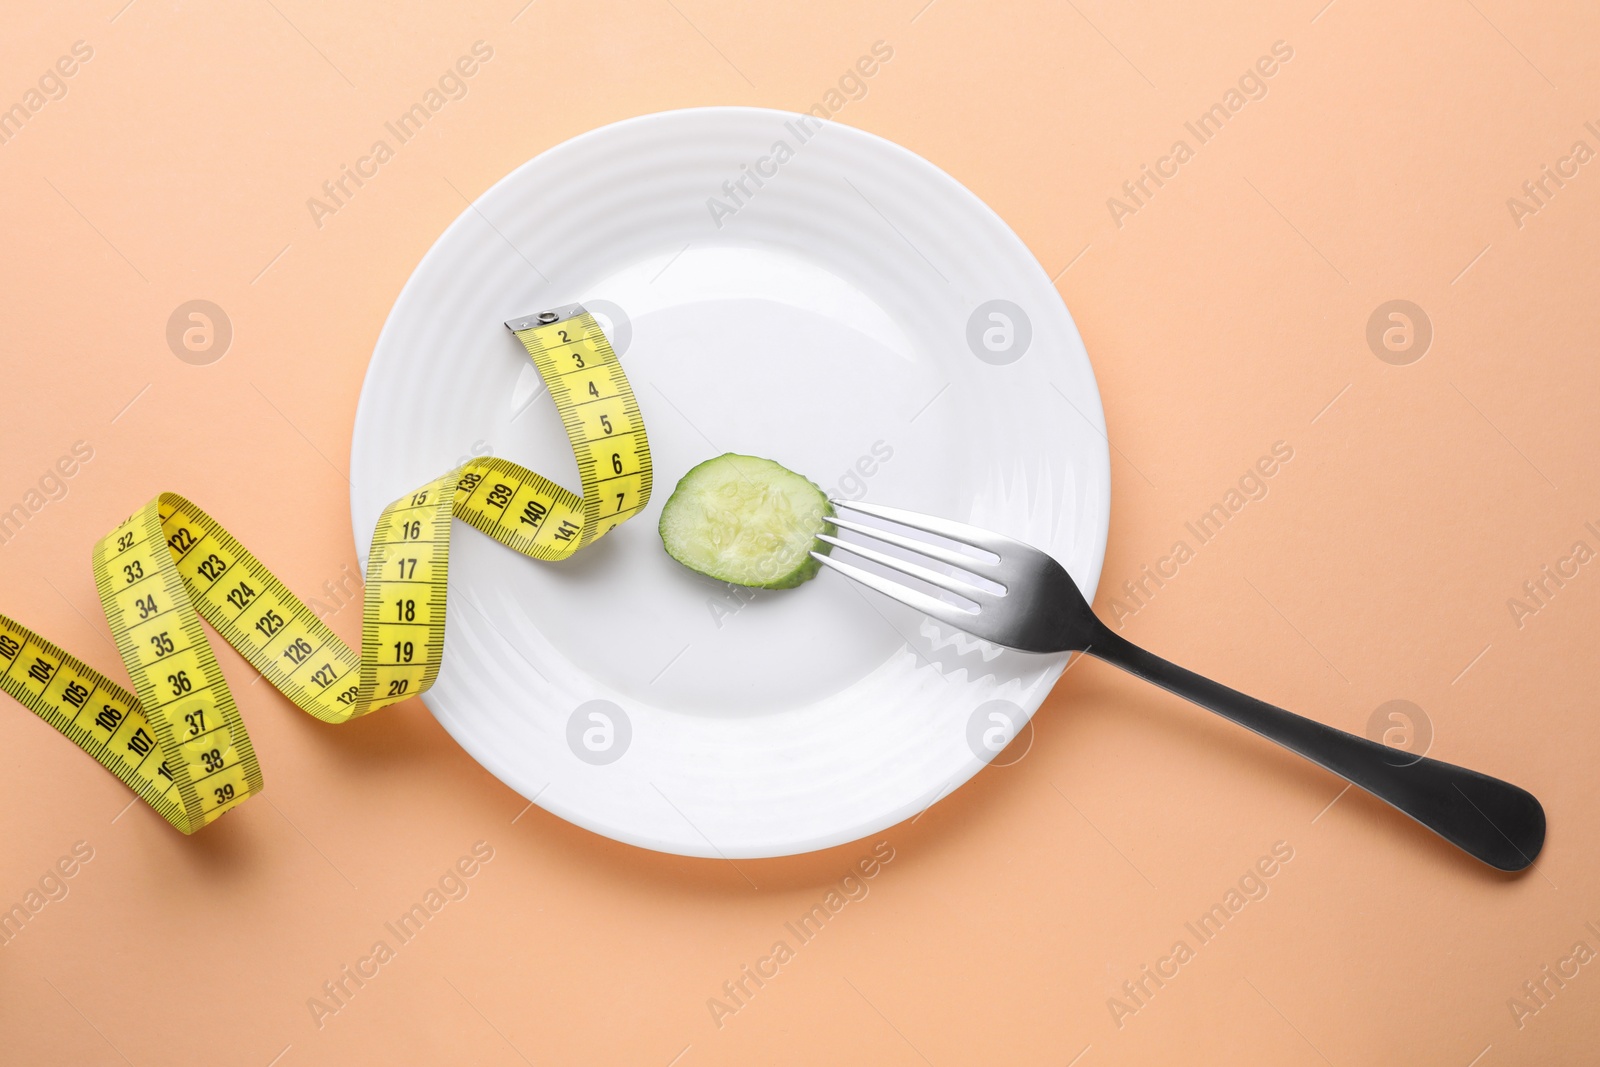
(177, 738)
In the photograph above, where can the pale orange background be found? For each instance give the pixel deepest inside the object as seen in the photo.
(1224, 316)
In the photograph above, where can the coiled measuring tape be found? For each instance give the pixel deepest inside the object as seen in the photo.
(177, 740)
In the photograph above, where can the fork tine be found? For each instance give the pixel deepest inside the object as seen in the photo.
(955, 531)
(895, 563)
(911, 544)
(911, 598)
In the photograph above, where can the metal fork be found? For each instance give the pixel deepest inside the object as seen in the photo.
(1039, 609)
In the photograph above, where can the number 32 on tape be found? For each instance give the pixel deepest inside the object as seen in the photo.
(177, 739)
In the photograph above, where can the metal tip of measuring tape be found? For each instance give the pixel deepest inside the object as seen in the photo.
(544, 318)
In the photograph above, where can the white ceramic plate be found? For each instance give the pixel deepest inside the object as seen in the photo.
(838, 317)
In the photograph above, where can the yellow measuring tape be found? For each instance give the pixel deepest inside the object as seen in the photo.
(177, 739)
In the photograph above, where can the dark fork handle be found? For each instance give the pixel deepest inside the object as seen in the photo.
(1495, 821)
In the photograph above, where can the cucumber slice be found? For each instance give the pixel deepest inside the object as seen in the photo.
(746, 520)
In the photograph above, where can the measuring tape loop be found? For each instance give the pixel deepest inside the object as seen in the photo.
(177, 739)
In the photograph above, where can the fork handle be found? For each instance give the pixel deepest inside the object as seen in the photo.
(1495, 821)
